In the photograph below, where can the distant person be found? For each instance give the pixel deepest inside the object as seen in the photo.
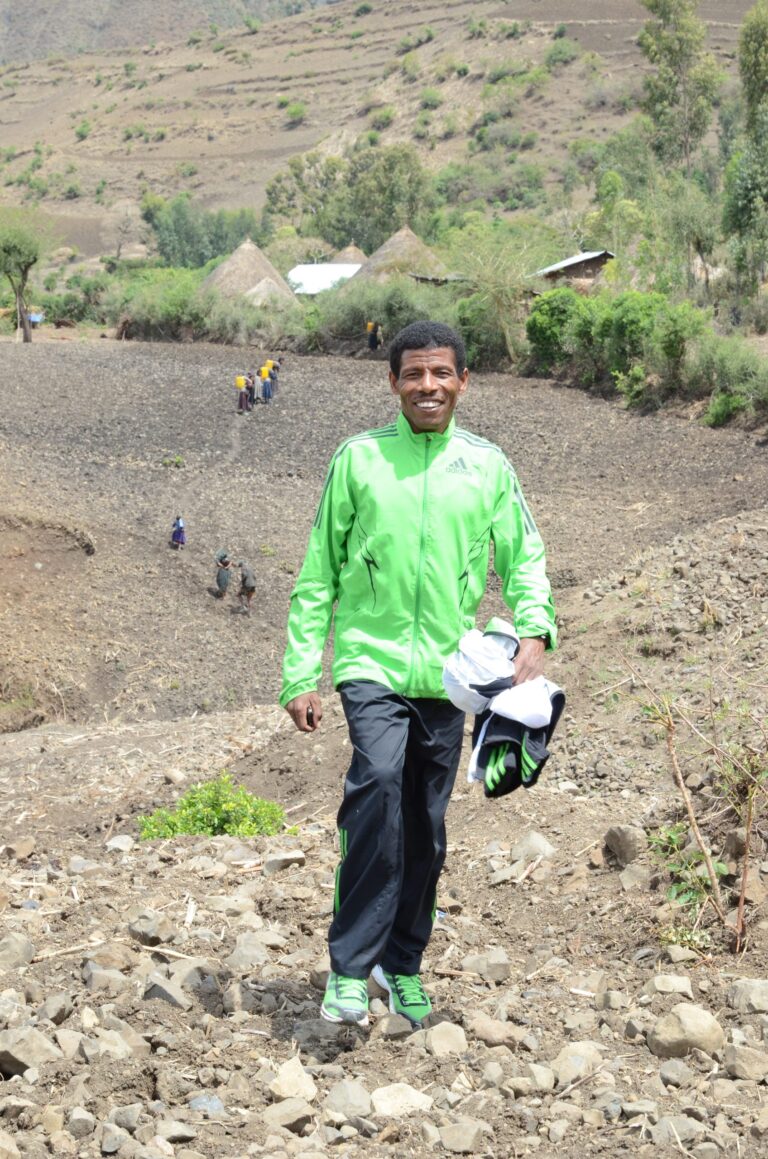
(178, 534)
(250, 386)
(223, 573)
(242, 394)
(379, 336)
(266, 385)
(273, 380)
(247, 586)
(372, 328)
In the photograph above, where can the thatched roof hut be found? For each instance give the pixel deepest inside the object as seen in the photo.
(403, 253)
(244, 270)
(266, 290)
(351, 255)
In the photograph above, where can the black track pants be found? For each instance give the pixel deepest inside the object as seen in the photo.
(392, 827)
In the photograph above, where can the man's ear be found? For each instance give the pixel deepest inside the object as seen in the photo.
(394, 383)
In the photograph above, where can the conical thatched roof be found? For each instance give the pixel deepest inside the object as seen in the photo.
(351, 255)
(267, 289)
(243, 270)
(403, 253)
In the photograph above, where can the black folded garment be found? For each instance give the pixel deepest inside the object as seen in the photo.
(512, 754)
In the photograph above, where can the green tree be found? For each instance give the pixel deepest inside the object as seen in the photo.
(680, 93)
(745, 208)
(20, 248)
(753, 61)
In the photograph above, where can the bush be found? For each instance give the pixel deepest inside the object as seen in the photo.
(296, 112)
(483, 337)
(215, 808)
(363, 9)
(563, 51)
(550, 326)
(410, 67)
(382, 118)
(83, 130)
(560, 31)
(722, 408)
(430, 99)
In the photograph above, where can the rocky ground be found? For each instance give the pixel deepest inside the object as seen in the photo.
(162, 998)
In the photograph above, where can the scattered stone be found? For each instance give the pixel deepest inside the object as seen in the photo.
(759, 1129)
(175, 1131)
(626, 843)
(399, 1099)
(673, 1130)
(634, 877)
(748, 996)
(8, 1148)
(349, 1098)
(392, 1027)
(127, 1117)
(494, 966)
(113, 1138)
(669, 984)
(742, 1062)
(121, 843)
(542, 1077)
(685, 1028)
(15, 950)
(291, 1114)
(24, 1048)
(279, 859)
(207, 1104)
(158, 986)
(151, 928)
(531, 846)
(445, 1039)
(20, 849)
(56, 1008)
(80, 1123)
(249, 952)
(293, 1082)
(464, 1138)
(493, 1032)
(675, 1073)
(575, 1061)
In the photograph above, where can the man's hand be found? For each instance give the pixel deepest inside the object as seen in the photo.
(305, 711)
(529, 662)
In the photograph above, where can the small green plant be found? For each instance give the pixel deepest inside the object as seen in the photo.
(363, 9)
(462, 70)
(215, 808)
(382, 118)
(193, 65)
(173, 461)
(83, 130)
(430, 99)
(129, 68)
(685, 865)
(296, 112)
(560, 31)
(186, 169)
(563, 51)
(410, 67)
(252, 25)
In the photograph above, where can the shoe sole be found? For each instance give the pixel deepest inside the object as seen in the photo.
(377, 973)
(339, 1019)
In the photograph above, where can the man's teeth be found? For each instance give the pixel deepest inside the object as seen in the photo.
(428, 405)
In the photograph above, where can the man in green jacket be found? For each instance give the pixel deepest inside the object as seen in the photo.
(399, 550)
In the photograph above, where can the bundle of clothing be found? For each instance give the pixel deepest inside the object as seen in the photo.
(513, 722)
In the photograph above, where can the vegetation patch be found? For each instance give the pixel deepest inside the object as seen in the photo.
(215, 808)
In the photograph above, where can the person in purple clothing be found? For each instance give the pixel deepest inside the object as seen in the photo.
(178, 534)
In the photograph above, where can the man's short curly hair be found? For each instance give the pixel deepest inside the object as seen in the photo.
(426, 336)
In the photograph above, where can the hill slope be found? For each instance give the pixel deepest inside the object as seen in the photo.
(209, 116)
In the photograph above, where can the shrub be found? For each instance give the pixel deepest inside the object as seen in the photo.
(462, 70)
(482, 334)
(430, 99)
(550, 325)
(722, 408)
(363, 9)
(296, 112)
(382, 118)
(410, 67)
(82, 130)
(215, 808)
(252, 25)
(563, 51)
(560, 31)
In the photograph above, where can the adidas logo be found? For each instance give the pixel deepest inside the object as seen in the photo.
(457, 467)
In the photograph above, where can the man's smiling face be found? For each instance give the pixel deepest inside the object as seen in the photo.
(428, 386)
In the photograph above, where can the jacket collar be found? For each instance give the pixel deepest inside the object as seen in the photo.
(405, 430)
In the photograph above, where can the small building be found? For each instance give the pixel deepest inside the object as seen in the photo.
(583, 266)
(314, 278)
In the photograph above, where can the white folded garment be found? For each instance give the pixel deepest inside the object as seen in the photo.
(530, 702)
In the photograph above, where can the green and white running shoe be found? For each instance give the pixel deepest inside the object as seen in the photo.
(407, 996)
(346, 1000)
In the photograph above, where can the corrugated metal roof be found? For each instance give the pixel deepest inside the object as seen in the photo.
(576, 260)
(311, 279)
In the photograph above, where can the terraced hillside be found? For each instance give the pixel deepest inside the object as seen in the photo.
(218, 114)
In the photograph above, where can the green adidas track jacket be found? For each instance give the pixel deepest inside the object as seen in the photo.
(400, 546)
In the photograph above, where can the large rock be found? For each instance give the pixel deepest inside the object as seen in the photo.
(15, 951)
(748, 995)
(24, 1048)
(445, 1039)
(8, 1148)
(291, 1114)
(465, 1137)
(626, 843)
(531, 846)
(349, 1097)
(493, 966)
(742, 1062)
(399, 1099)
(669, 984)
(293, 1082)
(576, 1061)
(150, 927)
(685, 1028)
(493, 1032)
(249, 952)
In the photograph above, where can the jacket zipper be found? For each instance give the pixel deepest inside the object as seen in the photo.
(419, 574)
